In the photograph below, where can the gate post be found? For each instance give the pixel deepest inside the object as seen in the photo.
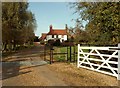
(45, 52)
(119, 61)
(70, 53)
(67, 53)
(50, 56)
(74, 53)
(78, 55)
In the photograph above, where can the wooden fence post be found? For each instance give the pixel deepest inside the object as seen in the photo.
(74, 53)
(50, 56)
(67, 53)
(78, 55)
(70, 54)
(119, 61)
(44, 52)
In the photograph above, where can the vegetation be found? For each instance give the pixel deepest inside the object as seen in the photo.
(102, 23)
(63, 57)
(36, 39)
(18, 25)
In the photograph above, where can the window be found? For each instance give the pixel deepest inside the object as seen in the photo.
(56, 36)
(52, 36)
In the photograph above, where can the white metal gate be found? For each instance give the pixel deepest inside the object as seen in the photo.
(100, 59)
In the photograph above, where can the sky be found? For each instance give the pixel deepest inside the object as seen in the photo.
(56, 14)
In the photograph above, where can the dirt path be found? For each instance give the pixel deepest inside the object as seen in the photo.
(34, 76)
(21, 69)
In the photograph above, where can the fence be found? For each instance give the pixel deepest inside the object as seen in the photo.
(101, 59)
(64, 52)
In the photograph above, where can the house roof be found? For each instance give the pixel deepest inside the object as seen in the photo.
(57, 32)
(43, 36)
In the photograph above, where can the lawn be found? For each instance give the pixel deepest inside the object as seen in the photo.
(63, 57)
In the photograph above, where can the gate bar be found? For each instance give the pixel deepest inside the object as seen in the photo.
(119, 62)
(115, 48)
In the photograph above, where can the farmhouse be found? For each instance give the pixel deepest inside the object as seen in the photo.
(55, 34)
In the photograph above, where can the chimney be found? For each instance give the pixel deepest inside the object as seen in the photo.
(50, 27)
(66, 27)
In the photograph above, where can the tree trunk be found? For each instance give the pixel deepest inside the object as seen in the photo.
(14, 46)
(5, 46)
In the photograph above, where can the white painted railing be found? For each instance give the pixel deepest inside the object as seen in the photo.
(101, 59)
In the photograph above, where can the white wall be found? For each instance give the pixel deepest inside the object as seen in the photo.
(49, 37)
(55, 36)
(65, 37)
(59, 36)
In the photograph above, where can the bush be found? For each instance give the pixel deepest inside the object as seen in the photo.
(60, 58)
(54, 42)
(42, 42)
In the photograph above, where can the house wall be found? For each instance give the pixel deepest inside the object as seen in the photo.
(55, 36)
(65, 37)
(49, 37)
(61, 37)
(45, 39)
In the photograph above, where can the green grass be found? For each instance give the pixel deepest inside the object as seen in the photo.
(64, 50)
(60, 58)
(86, 50)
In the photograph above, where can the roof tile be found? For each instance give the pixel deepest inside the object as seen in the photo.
(57, 32)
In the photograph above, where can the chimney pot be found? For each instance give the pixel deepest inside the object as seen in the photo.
(50, 27)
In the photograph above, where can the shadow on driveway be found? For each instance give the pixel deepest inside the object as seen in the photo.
(11, 66)
(11, 69)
